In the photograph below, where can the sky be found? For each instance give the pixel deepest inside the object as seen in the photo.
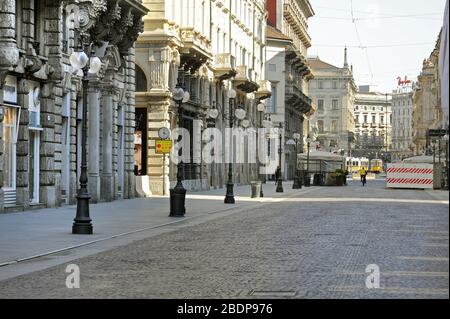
(385, 38)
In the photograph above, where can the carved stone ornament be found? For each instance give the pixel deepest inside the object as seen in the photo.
(131, 35)
(102, 29)
(88, 14)
(33, 63)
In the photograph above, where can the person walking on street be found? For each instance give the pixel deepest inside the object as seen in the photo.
(277, 174)
(363, 174)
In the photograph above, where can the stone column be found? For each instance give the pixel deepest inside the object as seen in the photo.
(47, 147)
(1, 149)
(157, 169)
(23, 147)
(9, 55)
(94, 141)
(106, 177)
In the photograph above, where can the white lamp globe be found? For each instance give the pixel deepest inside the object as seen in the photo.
(240, 114)
(261, 107)
(214, 113)
(178, 94)
(231, 94)
(95, 65)
(245, 123)
(78, 59)
(290, 142)
(186, 97)
(296, 136)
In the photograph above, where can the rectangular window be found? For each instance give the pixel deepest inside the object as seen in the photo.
(320, 126)
(65, 31)
(335, 104)
(271, 107)
(373, 119)
(365, 118)
(334, 126)
(320, 84)
(19, 23)
(335, 86)
(39, 21)
(320, 105)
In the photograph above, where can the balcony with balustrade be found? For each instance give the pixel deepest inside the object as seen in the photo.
(224, 66)
(244, 79)
(297, 99)
(264, 91)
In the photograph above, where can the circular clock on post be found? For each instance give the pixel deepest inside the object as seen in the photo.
(164, 133)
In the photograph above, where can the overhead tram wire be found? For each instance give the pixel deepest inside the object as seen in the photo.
(374, 46)
(381, 15)
(359, 40)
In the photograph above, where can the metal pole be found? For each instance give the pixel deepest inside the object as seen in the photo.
(280, 178)
(229, 197)
(297, 180)
(446, 163)
(178, 194)
(439, 154)
(261, 193)
(386, 120)
(82, 222)
(164, 174)
(434, 154)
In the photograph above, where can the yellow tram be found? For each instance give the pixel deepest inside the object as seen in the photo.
(354, 164)
(376, 165)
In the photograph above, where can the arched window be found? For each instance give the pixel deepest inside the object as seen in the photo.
(141, 80)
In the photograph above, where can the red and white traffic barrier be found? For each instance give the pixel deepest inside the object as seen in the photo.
(410, 175)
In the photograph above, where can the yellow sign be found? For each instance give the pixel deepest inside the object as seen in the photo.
(163, 146)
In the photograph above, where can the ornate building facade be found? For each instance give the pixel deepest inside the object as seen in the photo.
(209, 47)
(288, 72)
(333, 91)
(373, 123)
(427, 110)
(402, 110)
(41, 100)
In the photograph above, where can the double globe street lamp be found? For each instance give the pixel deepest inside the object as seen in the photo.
(239, 113)
(88, 64)
(178, 193)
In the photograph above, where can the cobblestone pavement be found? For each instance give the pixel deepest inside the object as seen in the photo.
(317, 249)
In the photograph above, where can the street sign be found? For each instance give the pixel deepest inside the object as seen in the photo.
(163, 146)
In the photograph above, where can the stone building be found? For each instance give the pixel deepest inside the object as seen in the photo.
(402, 110)
(427, 110)
(288, 72)
(333, 91)
(209, 47)
(373, 123)
(41, 101)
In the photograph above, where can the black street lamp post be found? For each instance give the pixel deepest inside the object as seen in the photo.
(307, 177)
(446, 139)
(178, 193)
(279, 175)
(261, 108)
(297, 180)
(229, 197)
(88, 64)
